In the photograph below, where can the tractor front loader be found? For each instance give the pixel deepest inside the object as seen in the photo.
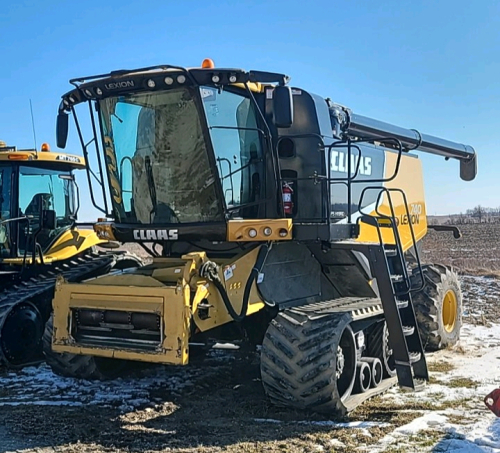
(40, 240)
(269, 212)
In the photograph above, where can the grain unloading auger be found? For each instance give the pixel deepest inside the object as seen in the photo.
(270, 213)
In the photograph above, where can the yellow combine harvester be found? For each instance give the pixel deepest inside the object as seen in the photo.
(274, 214)
(39, 240)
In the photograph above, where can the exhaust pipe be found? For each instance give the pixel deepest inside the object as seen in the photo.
(363, 377)
(376, 370)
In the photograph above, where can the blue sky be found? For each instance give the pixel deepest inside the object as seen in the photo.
(432, 66)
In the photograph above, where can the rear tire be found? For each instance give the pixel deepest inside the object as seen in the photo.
(438, 306)
(309, 363)
(79, 366)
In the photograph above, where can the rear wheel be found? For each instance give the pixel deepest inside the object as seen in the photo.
(438, 307)
(309, 363)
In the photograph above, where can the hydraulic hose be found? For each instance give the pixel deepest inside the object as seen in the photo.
(210, 271)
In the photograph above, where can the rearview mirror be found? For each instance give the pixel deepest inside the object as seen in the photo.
(48, 220)
(62, 129)
(283, 106)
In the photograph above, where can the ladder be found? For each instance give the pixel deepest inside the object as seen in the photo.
(388, 266)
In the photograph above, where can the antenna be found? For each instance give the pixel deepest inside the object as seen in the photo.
(33, 126)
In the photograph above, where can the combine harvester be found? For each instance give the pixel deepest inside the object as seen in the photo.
(274, 214)
(39, 240)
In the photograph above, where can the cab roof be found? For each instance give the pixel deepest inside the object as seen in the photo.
(35, 158)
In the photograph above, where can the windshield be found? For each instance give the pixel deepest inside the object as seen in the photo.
(55, 189)
(157, 161)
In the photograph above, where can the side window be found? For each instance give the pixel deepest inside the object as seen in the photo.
(125, 136)
(236, 142)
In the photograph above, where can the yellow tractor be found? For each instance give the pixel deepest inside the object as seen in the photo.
(39, 240)
(271, 213)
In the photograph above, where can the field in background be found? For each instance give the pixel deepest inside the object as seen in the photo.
(476, 252)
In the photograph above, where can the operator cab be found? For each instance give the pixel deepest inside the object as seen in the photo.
(37, 199)
(195, 153)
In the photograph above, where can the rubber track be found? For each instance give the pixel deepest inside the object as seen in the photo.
(72, 270)
(298, 355)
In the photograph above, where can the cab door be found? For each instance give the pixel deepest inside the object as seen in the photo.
(7, 239)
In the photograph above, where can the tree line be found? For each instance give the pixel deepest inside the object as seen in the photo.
(478, 214)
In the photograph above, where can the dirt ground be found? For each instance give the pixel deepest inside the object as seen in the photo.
(218, 404)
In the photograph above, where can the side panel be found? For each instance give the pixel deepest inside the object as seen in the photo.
(72, 242)
(410, 180)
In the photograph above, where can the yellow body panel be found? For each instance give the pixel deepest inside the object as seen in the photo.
(170, 288)
(157, 300)
(238, 230)
(410, 180)
(68, 244)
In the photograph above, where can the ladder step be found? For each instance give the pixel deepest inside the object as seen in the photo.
(415, 357)
(391, 252)
(380, 222)
(401, 303)
(408, 330)
(419, 384)
(397, 278)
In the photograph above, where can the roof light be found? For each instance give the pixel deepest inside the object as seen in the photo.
(98, 91)
(169, 80)
(252, 232)
(232, 78)
(283, 232)
(181, 79)
(45, 147)
(208, 63)
(215, 78)
(88, 93)
(151, 83)
(18, 156)
(268, 231)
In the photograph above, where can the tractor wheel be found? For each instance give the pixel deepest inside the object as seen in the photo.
(309, 363)
(79, 366)
(438, 306)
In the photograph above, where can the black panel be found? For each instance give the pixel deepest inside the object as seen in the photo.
(291, 273)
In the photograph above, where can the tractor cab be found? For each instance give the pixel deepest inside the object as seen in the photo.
(37, 200)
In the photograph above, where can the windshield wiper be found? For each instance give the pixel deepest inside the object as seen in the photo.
(151, 186)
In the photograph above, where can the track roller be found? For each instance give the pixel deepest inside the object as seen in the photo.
(363, 377)
(376, 370)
